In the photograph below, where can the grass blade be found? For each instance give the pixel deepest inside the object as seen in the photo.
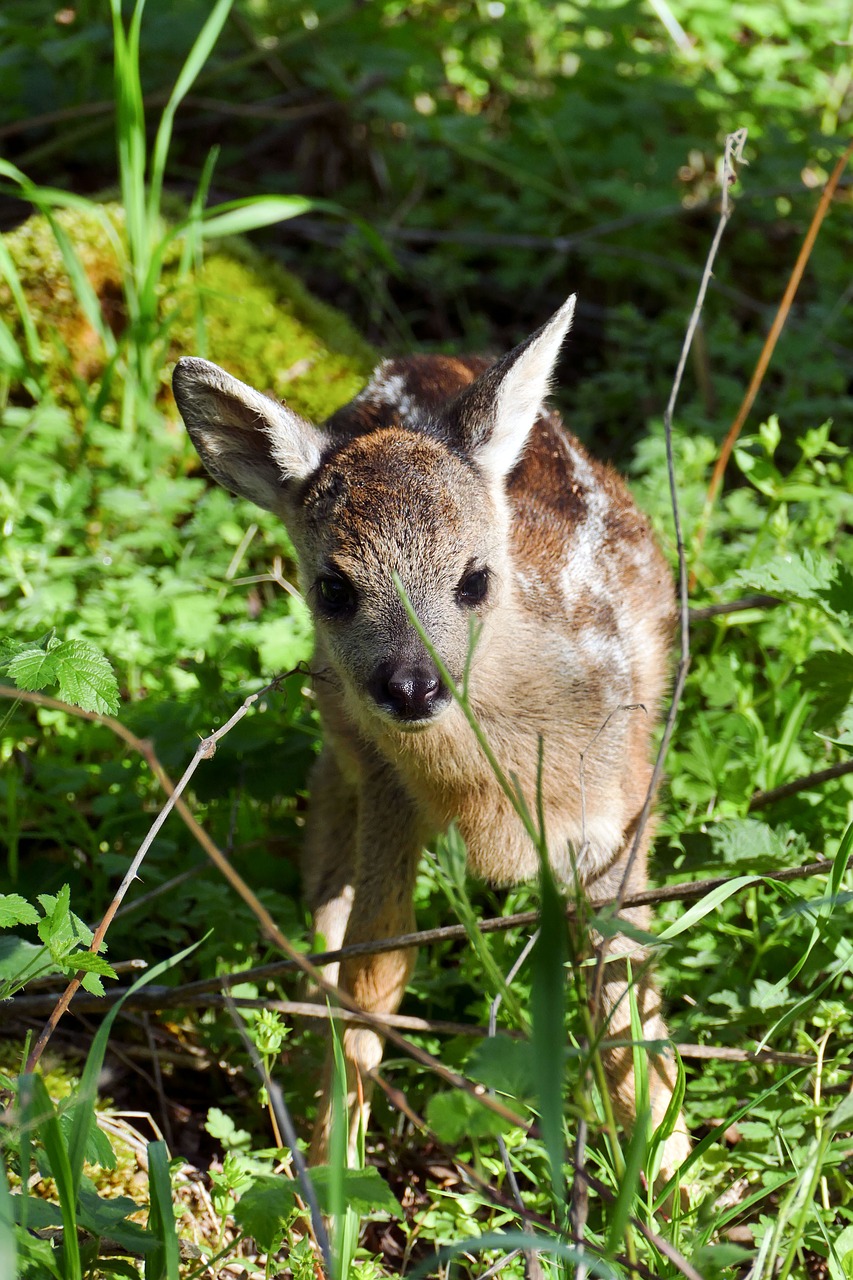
(10, 274)
(547, 999)
(130, 126)
(48, 1128)
(238, 216)
(8, 1242)
(164, 1263)
(84, 1110)
(197, 57)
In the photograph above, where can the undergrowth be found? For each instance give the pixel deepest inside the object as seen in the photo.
(131, 588)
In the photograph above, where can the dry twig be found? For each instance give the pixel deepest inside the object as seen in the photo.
(733, 153)
(771, 340)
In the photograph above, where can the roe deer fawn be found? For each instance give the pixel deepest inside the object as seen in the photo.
(451, 474)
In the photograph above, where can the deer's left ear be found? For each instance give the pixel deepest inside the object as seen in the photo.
(493, 417)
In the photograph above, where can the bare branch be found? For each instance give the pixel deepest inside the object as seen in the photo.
(702, 612)
(686, 892)
(204, 751)
(761, 799)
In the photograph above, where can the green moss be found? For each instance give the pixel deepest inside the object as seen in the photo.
(257, 320)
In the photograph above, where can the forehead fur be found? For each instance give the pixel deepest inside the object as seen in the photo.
(394, 483)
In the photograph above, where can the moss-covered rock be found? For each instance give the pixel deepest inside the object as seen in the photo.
(238, 308)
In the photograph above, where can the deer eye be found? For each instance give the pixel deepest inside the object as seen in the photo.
(336, 594)
(472, 589)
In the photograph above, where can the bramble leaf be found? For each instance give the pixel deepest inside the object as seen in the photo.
(81, 670)
(16, 910)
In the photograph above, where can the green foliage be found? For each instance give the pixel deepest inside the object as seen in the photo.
(84, 676)
(471, 141)
(60, 1141)
(64, 944)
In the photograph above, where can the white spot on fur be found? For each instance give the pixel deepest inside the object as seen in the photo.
(389, 390)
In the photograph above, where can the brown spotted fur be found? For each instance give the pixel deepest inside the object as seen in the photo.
(573, 649)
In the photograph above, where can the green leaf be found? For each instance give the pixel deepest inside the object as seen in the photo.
(16, 910)
(8, 1240)
(747, 841)
(33, 669)
(86, 678)
(842, 1116)
(504, 1065)
(222, 1127)
(706, 905)
(83, 673)
(264, 1209)
(456, 1115)
(61, 929)
(164, 1262)
(40, 1111)
(91, 962)
(84, 1113)
(239, 216)
(365, 1190)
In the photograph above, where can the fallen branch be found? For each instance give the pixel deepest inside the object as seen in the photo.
(155, 999)
(686, 892)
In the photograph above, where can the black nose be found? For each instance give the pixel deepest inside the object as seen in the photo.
(412, 693)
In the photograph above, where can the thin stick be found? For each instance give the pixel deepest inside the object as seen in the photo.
(702, 612)
(203, 751)
(735, 143)
(456, 933)
(761, 799)
(771, 340)
(284, 1122)
(733, 153)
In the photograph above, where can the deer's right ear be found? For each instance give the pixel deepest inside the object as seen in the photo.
(247, 442)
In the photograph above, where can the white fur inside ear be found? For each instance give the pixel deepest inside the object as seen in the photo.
(522, 392)
(295, 445)
(247, 442)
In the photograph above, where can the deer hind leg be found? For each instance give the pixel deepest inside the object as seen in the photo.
(615, 1017)
(388, 847)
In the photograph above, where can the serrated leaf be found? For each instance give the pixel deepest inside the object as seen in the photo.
(798, 577)
(86, 678)
(91, 962)
(457, 1115)
(16, 910)
(505, 1065)
(9, 649)
(365, 1190)
(81, 670)
(263, 1210)
(90, 982)
(33, 669)
(747, 841)
(18, 957)
(220, 1125)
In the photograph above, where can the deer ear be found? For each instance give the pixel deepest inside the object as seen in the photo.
(247, 442)
(493, 417)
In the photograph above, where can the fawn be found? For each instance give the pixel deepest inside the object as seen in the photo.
(451, 474)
